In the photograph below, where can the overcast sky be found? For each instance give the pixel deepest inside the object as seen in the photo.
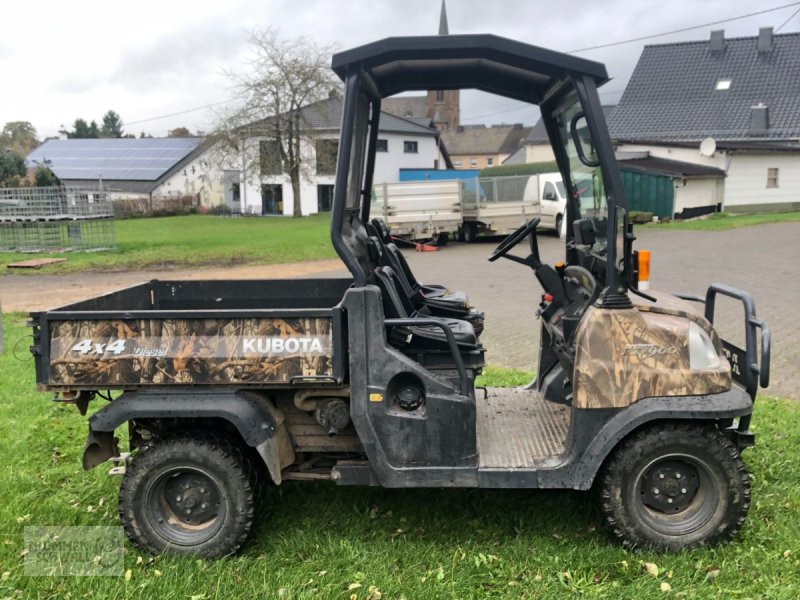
(145, 59)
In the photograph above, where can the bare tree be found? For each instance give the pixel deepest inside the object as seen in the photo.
(269, 130)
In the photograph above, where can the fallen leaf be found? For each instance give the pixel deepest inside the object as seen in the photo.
(665, 587)
(23, 518)
(128, 575)
(373, 593)
(537, 577)
(139, 560)
(650, 568)
(322, 573)
(6, 575)
(712, 573)
(101, 502)
(157, 573)
(787, 554)
(353, 586)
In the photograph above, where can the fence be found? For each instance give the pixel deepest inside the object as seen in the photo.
(125, 208)
(50, 219)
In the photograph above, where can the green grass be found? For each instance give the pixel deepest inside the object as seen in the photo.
(317, 540)
(723, 221)
(199, 240)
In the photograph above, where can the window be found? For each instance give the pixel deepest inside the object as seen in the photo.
(489, 162)
(270, 157)
(382, 146)
(439, 95)
(723, 85)
(457, 164)
(772, 178)
(410, 147)
(473, 162)
(326, 156)
(549, 192)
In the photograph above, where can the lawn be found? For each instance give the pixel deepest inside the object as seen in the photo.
(199, 240)
(723, 221)
(320, 541)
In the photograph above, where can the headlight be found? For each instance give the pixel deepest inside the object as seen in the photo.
(702, 354)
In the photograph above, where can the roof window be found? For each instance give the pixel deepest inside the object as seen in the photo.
(722, 85)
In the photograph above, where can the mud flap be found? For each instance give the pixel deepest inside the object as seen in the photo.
(99, 447)
(277, 453)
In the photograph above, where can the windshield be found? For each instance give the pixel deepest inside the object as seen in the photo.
(586, 181)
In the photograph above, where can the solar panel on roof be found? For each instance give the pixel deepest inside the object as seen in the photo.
(123, 159)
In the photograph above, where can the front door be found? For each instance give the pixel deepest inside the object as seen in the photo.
(324, 198)
(549, 204)
(271, 199)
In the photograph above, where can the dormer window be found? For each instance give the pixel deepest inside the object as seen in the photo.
(722, 85)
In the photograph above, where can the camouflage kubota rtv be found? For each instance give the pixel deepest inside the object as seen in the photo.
(228, 388)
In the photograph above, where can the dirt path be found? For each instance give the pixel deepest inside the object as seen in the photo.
(40, 292)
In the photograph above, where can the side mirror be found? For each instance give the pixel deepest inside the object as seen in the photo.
(584, 232)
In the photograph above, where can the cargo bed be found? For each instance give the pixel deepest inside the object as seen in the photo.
(254, 333)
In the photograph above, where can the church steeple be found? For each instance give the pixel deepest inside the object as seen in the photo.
(444, 105)
(443, 29)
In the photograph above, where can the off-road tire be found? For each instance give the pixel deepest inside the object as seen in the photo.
(153, 527)
(714, 514)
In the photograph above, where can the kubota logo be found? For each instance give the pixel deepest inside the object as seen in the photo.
(277, 345)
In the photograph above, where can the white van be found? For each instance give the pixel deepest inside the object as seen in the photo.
(548, 190)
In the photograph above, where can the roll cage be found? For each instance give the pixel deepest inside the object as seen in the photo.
(551, 80)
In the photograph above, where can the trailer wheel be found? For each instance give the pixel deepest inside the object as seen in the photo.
(675, 486)
(441, 239)
(189, 493)
(470, 232)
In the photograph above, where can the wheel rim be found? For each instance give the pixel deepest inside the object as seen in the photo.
(677, 494)
(184, 506)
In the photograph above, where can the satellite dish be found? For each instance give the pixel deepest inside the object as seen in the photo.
(708, 146)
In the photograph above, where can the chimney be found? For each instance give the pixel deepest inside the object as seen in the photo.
(717, 43)
(765, 40)
(759, 119)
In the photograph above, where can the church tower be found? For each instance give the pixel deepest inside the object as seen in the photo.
(443, 105)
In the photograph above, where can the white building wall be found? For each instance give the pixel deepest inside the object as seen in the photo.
(746, 183)
(535, 153)
(696, 193)
(202, 177)
(388, 164)
(387, 170)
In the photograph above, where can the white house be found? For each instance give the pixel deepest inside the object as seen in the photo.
(729, 104)
(402, 144)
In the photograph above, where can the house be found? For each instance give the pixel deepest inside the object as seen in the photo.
(728, 104)
(402, 144)
(132, 168)
(536, 145)
(479, 146)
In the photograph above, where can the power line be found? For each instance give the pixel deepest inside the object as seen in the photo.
(655, 35)
(794, 14)
(175, 114)
(500, 112)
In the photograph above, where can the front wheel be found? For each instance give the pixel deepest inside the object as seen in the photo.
(675, 486)
(189, 493)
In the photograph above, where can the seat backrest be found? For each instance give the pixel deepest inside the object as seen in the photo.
(396, 304)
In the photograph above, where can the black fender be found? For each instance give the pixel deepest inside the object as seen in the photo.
(253, 415)
(599, 431)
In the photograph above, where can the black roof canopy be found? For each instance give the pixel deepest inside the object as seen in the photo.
(486, 62)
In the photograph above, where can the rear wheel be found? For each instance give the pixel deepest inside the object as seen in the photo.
(676, 486)
(441, 239)
(470, 232)
(189, 493)
(559, 221)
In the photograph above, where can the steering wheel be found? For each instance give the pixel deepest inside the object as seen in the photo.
(513, 239)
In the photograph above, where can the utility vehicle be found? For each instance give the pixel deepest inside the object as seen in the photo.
(230, 387)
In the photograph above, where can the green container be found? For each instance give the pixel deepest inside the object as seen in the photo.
(648, 192)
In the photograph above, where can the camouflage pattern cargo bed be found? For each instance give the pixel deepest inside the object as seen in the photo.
(244, 333)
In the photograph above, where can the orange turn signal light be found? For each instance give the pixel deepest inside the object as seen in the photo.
(644, 269)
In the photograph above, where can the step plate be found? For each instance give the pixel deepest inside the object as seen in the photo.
(519, 428)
